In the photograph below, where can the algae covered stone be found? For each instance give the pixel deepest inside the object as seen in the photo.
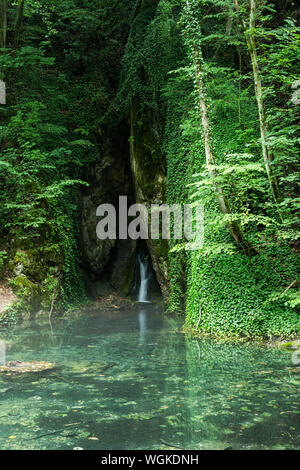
(19, 367)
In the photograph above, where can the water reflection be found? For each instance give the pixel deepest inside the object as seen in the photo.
(142, 316)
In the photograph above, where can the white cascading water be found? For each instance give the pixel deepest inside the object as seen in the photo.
(144, 275)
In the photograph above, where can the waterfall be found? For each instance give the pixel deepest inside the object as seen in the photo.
(144, 266)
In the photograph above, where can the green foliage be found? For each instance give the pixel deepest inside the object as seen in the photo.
(228, 295)
(80, 68)
(230, 292)
(45, 144)
(3, 257)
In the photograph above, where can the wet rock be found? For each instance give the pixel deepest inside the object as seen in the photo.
(108, 264)
(123, 266)
(149, 176)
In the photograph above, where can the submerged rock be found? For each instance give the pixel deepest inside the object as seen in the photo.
(19, 367)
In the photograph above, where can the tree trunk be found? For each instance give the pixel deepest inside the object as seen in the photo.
(3, 22)
(267, 154)
(18, 24)
(209, 153)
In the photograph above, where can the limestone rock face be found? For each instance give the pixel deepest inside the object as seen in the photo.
(149, 175)
(95, 252)
(135, 170)
(108, 264)
(123, 266)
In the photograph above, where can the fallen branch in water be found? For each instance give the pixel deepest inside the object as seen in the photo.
(51, 310)
(170, 445)
(76, 425)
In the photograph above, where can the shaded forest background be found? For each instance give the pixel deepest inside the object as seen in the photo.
(203, 95)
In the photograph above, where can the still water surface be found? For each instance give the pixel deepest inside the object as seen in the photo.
(131, 380)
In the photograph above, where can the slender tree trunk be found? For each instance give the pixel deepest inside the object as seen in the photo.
(3, 22)
(18, 24)
(240, 87)
(209, 153)
(3, 33)
(266, 151)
